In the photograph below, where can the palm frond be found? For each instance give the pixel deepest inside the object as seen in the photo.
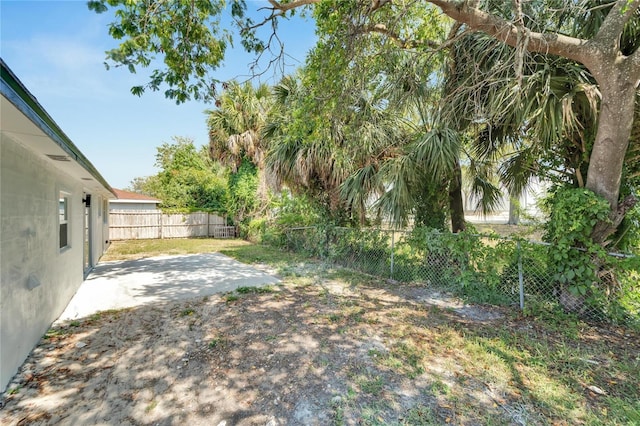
(397, 202)
(437, 151)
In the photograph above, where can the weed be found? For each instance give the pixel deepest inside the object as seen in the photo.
(420, 416)
(351, 393)
(335, 317)
(53, 333)
(187, 312)
(410, 357)
(372, 320)
(374, 414)
(151, 406)
(321, 363)
(324, 294)
(357, 315)
(338, 411)
(369, 385)
(216, 342)
(74, 323)
(13, 390)
(439, 388)
(230, 297)
(389, 361)
(257, 290)
(114, 313)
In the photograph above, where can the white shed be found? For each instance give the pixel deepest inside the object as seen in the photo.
(132, 201)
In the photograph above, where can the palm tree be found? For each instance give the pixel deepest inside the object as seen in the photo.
(236, 129)
(316, 145)
(424, 179)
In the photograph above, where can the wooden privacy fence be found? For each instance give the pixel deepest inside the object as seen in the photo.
(138, 225)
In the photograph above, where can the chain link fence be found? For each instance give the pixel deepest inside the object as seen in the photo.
(480, 268)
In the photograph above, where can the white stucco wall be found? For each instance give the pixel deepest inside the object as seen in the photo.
(38, 278)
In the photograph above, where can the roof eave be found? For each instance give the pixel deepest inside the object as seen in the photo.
(14, 91)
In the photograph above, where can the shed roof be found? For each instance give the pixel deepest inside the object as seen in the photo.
(133, 196)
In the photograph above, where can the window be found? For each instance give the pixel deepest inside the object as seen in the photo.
(63, 219)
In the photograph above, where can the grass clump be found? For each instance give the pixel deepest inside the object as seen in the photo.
(256, 290)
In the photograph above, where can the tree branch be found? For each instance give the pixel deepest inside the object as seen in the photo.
(377, 4)
(613, 25)
(294, 4)
(399, 41)
(555, 43)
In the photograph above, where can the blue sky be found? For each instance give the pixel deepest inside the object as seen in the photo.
(56, 48)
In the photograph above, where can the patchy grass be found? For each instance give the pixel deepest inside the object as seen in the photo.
(230, 297)
(253, 289)
(279, 262)
(339, 347)
(283, 263)
(136, 249)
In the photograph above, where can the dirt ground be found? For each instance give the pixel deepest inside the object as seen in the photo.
(311, 351)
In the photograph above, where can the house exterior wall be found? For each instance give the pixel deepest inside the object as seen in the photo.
(38, 278)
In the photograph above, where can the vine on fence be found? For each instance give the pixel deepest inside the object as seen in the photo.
(479, 268)
(584, 275)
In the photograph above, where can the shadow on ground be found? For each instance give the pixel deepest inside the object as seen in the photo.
(129, 283)
(309, 352)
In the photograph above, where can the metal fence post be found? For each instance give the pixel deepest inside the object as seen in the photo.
(327, 242)
(520, 275)
(392, 251)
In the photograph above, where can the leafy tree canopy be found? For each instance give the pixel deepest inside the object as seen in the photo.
(190, 37)
(188, 179)
(602, 36)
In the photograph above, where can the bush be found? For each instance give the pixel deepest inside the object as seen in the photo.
(481, 269)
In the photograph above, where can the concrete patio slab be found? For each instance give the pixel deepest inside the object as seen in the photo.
(129, 283)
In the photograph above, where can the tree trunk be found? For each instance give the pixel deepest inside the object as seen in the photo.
(514, 213)
(456, 206)
(615, 121)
